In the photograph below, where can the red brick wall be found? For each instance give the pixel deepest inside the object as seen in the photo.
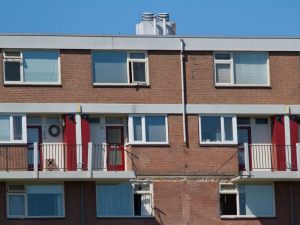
(284, 74)
(197, 202)
(176, 203)
(176, 159)
(76, 77)
(165, 82)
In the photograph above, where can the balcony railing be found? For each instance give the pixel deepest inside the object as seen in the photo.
(269, 157)
(62, 157)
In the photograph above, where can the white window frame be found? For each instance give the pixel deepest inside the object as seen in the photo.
(143, 141)
(133, 192)
(24, 130)
(24, 193)
(129, 76)
(236, 192)
(131, 61)
(231, 62)
(17, 59)
(223, 141)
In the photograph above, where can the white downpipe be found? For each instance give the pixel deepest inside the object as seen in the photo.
(183, 91)
(78, 141)
(287, 133)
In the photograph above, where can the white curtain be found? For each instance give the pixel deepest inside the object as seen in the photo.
(250, 68)
(115, 200)
(40, 66)
(146, 206)
(4, 128)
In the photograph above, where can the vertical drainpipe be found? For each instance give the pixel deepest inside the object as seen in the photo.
(182, 46)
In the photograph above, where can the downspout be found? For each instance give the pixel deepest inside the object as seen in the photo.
(81, 204)
(182, 46)
(292, 206)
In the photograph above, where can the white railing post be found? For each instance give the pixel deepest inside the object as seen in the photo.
(287, 132)
(246, 155)
(104, 147)
(35, 159)
(298, 156)
(90, 155)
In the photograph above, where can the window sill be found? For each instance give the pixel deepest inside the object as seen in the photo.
(254, 86)
(36, 217)
(149, 145)
(122, 85)
(246, 217)
(203, 144)
(33, 84)
(125, 217)
(13, 143)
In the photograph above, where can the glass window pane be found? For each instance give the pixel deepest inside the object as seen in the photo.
(139, 72)
(16, 205)
(223, 73)
(40, 66)
(17, 124)
(261, 121)
(243, 120)
(110, 67)
(222, 56)
(34, 120)
(4, 128)
(258, 200)
(137, 55)
(114, 200)
(211, 128)
(12, 71)
(52, 120)
(137, 129)
(45, 200)
(250, 68)
(113, 120)
(228, 129)
(155, 128)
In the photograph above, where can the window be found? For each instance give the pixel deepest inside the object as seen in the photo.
(148, 130)
(124, 200)
(119, 67)
(35, 201)
(218, 130)
(247, 200)
(261, 121)
(241, 68)
(31, 67)
(12, 129)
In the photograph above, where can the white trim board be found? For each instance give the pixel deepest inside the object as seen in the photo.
(148, 42)
(90, 108)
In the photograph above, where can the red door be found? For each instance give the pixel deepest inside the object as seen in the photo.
(34, 135)
(244, 136)
(115, 148)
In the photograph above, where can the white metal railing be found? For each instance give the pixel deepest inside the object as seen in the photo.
(269, 157)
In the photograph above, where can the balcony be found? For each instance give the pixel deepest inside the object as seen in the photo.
(269, 162)
(44, 161)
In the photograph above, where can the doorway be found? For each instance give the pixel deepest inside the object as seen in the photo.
(244, 136)
(34, 135)
(115, 148)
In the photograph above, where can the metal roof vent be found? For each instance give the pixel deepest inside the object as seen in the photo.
(163, 16)
(147, 16)
(159, 24)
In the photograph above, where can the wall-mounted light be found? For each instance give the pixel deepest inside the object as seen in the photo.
(278, 117)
